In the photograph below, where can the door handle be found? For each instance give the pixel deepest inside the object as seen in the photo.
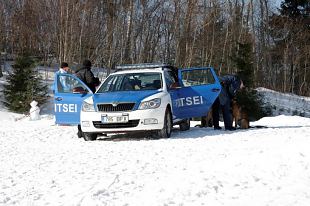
(58, 98)
(215, 90)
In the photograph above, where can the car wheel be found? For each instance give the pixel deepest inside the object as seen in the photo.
(89, 136)
(165, 132)
(79, 133)
(185, 125)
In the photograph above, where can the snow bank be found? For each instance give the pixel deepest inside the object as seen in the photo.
(283, 103)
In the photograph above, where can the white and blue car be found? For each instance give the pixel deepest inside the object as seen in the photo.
(143, 97)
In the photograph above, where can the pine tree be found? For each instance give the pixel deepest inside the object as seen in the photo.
(24, 86)
(290, 30)
(249, 100)
(295, 8)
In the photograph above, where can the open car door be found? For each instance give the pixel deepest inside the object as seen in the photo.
(199, 89)
(69, 93)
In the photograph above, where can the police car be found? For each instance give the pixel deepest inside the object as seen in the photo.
(143, 97)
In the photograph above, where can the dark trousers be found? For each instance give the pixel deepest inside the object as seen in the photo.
(226, 111)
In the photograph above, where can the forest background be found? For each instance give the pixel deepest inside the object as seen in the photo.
(183, 33)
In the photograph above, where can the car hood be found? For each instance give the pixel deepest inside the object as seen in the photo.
(122, 96)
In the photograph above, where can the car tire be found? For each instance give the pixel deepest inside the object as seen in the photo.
(79, 133)
(89, 136)
(185, 125)
(165, 132)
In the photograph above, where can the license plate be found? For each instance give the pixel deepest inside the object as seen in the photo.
(114, 119)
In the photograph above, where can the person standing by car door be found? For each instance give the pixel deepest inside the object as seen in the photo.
(231, 84)
(87, 76)
(63, 84)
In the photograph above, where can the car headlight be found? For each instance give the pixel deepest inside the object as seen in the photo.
(86, 107)
(152, 104)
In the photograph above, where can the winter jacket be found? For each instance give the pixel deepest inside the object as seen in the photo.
(230, 86)
(62, 84)
(87, 76)
(62, 79)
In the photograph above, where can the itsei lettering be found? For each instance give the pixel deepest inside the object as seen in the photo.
(188, 101)
(66, 108)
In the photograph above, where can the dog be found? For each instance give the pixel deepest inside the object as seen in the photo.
(240, 117)
(207, 121)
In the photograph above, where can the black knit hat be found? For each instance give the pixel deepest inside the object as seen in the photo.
(63, 65)
(86, 63)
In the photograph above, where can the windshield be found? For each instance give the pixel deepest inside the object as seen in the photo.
(131, 82)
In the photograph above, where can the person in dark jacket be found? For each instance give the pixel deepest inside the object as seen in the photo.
(230, 85)
(87, 76)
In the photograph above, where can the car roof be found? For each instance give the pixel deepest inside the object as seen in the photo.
(130, 71)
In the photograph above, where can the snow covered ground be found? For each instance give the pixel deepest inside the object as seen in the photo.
(45, 164)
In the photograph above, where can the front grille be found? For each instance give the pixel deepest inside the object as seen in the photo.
(130, 123)
(121, 107)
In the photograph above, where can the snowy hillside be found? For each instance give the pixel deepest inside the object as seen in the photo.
(46, 164)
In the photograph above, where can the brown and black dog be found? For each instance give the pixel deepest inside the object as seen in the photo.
(240, 117)
(207, 121)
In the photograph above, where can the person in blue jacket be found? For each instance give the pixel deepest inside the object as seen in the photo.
(62, 84)
(64, 69)
(231, 84)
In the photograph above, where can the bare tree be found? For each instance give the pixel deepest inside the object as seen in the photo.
(185, 33)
